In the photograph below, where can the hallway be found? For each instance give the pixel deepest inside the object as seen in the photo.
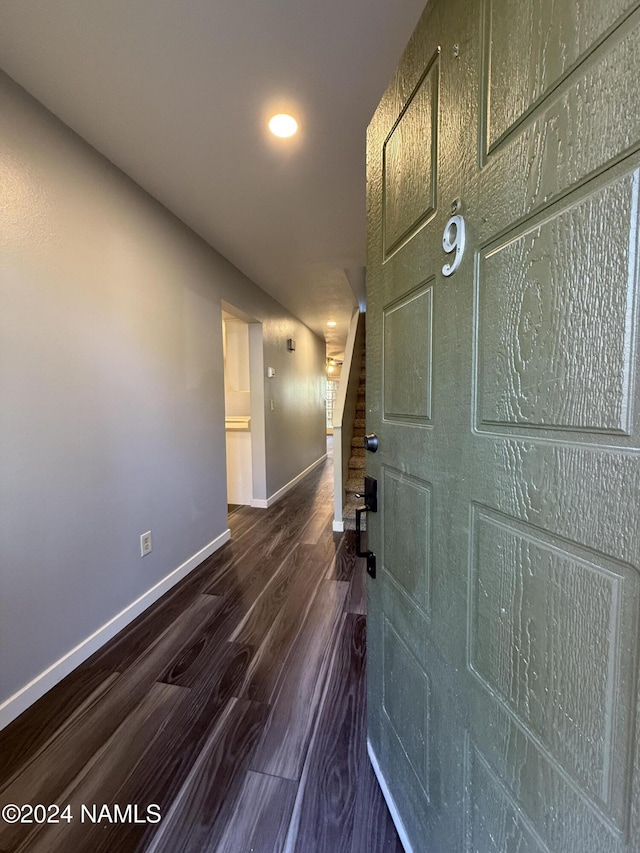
(236, 704)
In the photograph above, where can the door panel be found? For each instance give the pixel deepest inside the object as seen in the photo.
(504, 623)
(407, 358)
(409, 162)
(406, 536)
(535, 326)
(495, 822)
(406, 697)
(531, 46)
(524, 625)
(587, 123)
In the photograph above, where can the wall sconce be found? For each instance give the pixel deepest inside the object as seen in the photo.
(291, 345)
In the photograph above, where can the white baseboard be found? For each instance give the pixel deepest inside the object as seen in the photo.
(338, 526)
(283, 491)
(386, 793)
(42, 683)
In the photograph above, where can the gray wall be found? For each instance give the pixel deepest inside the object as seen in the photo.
(111, 390)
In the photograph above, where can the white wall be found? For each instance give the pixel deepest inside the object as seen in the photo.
(111, 391)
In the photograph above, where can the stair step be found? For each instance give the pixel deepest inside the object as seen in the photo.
(349, 514)
(357, 461)
(350, 506)
(355, 483)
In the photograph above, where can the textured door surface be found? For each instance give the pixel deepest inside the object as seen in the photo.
(503, 630)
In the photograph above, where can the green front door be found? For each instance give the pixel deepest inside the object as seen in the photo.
(503, 632)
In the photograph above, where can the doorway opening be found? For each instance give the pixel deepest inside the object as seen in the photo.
(244, 408)
(333, 369)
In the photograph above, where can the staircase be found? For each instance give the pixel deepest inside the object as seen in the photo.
(357, 460)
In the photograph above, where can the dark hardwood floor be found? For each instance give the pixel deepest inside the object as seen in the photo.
(235, 705)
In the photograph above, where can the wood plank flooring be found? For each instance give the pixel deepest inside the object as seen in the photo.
(235, 704)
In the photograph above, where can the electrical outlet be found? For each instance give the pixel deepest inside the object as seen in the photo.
(145, 544)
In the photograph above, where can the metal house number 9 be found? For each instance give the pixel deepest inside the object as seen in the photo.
(454, 238)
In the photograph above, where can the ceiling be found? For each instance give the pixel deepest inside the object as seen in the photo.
(177, 93)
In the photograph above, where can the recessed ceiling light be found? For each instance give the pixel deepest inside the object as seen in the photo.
(283, 125)
(332, 323)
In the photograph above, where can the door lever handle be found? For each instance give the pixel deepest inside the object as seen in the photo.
(368, 555)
